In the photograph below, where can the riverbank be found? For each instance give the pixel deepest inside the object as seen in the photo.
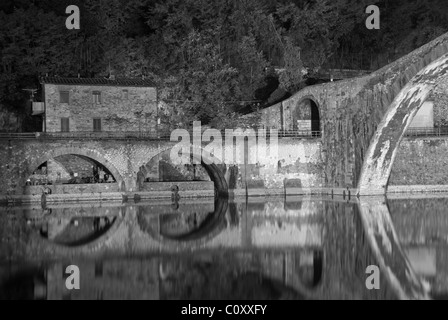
(197, 193)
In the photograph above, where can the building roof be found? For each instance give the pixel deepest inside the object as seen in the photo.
(119, 82)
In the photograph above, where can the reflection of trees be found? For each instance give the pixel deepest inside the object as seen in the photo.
(22, 285)
(14, 234)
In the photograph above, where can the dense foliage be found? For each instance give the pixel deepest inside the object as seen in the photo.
(208, 58)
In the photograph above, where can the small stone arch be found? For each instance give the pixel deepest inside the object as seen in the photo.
(384, 146)
(78, 152)
(307, 108)
(215, 170)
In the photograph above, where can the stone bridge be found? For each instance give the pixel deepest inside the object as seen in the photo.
(362, 121)
(140, 167)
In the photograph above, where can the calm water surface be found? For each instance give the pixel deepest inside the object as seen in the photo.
(293, 248)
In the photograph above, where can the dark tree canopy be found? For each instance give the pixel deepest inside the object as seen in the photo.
(209, 58)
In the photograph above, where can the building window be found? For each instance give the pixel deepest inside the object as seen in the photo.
(64, 96)
(125, 94)
(65, 124)
(96, 125)
(96, 97)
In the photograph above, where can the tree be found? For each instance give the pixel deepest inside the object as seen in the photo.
(205, 86)
(291, 78)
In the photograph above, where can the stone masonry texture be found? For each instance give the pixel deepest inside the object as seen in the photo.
(351, 111)
(119, 108)
(128, 161)
(421, 161)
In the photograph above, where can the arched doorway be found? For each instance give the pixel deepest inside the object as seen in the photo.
(306, 117)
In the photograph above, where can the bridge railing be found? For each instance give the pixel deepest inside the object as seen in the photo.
(17, 136)
(427, 132)
(105, 135)
(120, 135)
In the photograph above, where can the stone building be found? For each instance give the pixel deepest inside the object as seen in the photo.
(95, 105)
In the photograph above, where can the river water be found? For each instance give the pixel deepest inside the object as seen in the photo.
(256, 248)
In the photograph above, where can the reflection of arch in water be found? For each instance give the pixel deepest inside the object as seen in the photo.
(211, 225)
(61, 239)
(80, 231)
(385, 244)
(309, 269)
(213, 171)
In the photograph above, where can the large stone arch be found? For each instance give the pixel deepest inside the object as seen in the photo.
(383, 148)
(95, 155)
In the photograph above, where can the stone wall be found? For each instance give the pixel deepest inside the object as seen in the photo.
(440, 98)
(342, 112)
(421, 161)
(137, 112)
(86, 189)
(298, 159)
(57, 171)
(75, 164)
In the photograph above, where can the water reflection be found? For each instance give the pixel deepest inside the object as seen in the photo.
(182, 222)
(422, 227)
(72, 226)
(240, 276)
(293, 248)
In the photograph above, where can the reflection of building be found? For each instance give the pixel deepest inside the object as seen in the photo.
(121, 279)
(75, 104)
(234, 275)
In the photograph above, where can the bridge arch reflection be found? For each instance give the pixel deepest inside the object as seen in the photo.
(71, 228)
(188, 224)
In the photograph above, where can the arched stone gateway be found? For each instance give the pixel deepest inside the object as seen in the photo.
(79, 152)
(306, 116)
(384, 145)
